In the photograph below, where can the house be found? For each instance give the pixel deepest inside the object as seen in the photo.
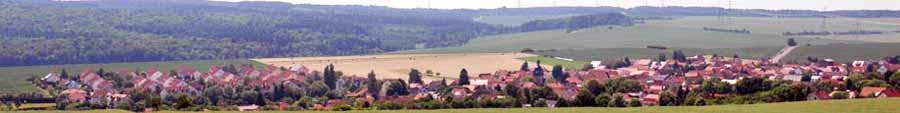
(879, 92)
(51, 78)
(650, 99)
(75, 95)
(460, 93)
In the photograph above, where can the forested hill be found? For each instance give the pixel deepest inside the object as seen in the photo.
(578, 22)
(46, 32)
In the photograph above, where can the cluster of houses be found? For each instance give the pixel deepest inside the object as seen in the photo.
(654, 77)
(91, 86)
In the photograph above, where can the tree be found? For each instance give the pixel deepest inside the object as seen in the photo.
(397, 89)
(559, 74)
(840, 95)
(634, 103)
(585, 98)
(330, 76)
(65, 74)
(463, 77)
(587, 67)
(679, 56)
(524, 67)
(317, 89)
(751, 85)
(895, 79)
(595, 87)
(512, 91)
(666, 99)
(622, 85)
(791, 42)
(372, 83)
(602, 100)
(415, 76)
(184, 101)
(617, 101)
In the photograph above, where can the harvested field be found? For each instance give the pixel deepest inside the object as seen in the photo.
(398, 65)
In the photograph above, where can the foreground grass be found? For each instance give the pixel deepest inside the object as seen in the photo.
(14, 78)
(834, 106)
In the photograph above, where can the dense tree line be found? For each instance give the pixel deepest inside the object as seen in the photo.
(578, 22)
(35, 33)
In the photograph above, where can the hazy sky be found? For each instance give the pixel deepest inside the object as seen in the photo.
(743, 4)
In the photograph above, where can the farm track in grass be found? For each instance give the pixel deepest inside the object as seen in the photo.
(830, 106)
(14, 78)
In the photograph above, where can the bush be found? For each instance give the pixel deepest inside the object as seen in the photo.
(840, 95)
(635, 102)
(390, 105)
(342, 107)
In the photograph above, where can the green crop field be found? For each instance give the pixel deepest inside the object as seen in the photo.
(516, 20)
(14, 78)
(846, 52)
(832, 106)
(685, 32)
(612, 54)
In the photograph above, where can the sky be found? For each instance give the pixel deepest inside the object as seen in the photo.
(738, 4)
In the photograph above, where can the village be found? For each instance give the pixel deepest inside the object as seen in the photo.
(679, 81)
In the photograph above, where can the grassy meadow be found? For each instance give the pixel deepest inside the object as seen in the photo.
(831, 106)
(845, 52)
(685, 32)
(611, 54)
(14, 78)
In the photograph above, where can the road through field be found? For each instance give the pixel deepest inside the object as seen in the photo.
(782, 53)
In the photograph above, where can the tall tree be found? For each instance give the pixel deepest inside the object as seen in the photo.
(463, 77)
(372, 83)
(559, 74)
(585, 98)
(415, 76)
(329, 76)
(595, 87)
(791, 42)
(524, 67)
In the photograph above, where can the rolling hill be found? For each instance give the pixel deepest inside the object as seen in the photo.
(679, 33)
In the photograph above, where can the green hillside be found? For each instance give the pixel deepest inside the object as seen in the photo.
(611, 54)
(684, 32)
(833, 106)
(845, 52)
(14, 78)
(516, 20)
